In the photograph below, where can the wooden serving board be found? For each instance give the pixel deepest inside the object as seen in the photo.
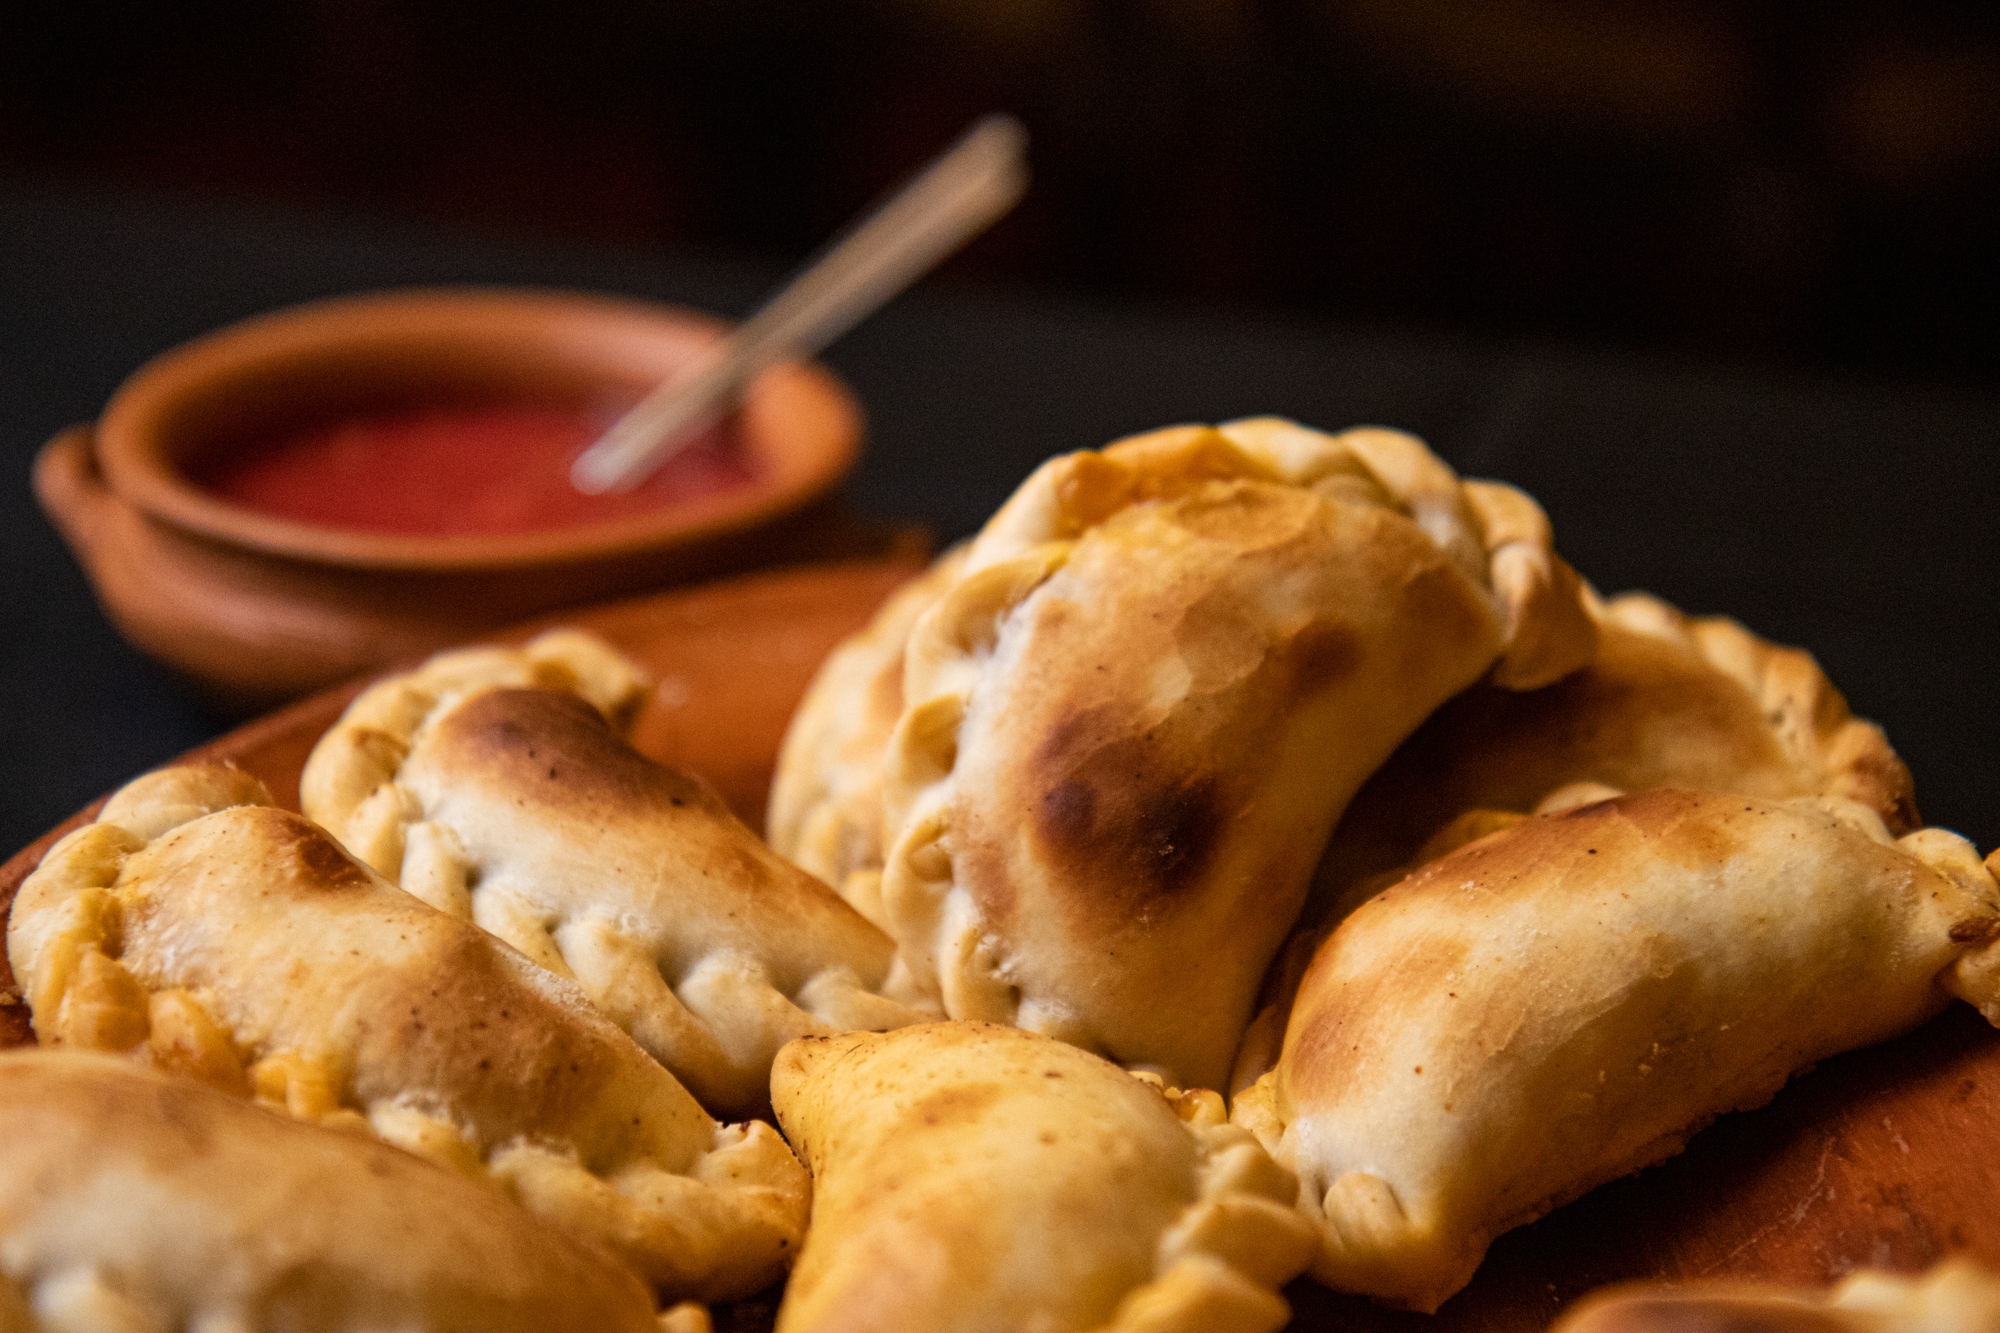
(1887, 1157)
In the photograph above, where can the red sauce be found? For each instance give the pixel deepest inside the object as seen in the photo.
(439, 472)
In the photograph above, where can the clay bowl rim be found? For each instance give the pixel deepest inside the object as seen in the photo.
(799, 425)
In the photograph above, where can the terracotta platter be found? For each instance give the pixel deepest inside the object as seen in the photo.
(1888, 1156)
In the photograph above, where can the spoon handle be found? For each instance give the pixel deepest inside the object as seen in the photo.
(955, 198)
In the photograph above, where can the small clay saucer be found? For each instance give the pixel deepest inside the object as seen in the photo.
(256, 608)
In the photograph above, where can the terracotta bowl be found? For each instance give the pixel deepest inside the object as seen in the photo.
(256, 608)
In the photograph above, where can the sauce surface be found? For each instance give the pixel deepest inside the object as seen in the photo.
(440, 472)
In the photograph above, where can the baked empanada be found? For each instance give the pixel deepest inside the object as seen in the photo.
(1566, 1001)
(1953, 1297)
(246, 948)
(1669, 701)
(522, 810)
(972, 1177)
(1166, 667)
(136, 1200)
(825, 811)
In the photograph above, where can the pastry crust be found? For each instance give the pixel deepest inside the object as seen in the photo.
(972, 1177)
(348, 783)
(1566, 1001)
(131, 1199)
(1956, 1296)
(522, 810)
(246, 948)
(1167, 666)
(1670, 701)
(825, 812)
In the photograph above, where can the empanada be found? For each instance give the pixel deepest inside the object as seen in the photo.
(1669, 701)
(1956, 1296)
(968, 1177)
(1167, 666)
(1566, 1001)
(522, 810)
(137, 1200)
(246, 948)
(825, 812)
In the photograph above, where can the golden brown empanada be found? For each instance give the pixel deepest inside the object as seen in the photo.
(1953, 1297)
(825, 810)
(1566, 1001)
(972, 1177)
(135, 1200)
(1165, 669)
(246, 948)
(1669, 701)
(522, 810)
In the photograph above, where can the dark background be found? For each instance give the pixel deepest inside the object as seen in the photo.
(1764, 183)
(1714, 281)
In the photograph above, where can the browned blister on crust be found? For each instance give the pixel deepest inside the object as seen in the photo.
(133, 1200)
(974, 1177)
(1565, 1001)
(521, 809)
(348, 784)
(1166, 667)
(244, 946)
(1957, 1296)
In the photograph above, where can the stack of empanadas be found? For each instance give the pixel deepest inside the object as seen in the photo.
(1091, 794)
(199, 930)
(1254, 853)
(1669, 700)
(523, 810)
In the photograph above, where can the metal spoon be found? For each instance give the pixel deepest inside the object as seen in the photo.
(954, 199)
